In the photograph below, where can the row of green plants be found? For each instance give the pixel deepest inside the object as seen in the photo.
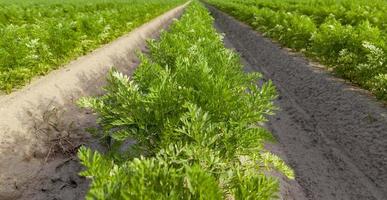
(185, 125)
(38, 36)
(348, 12)
(355, 51)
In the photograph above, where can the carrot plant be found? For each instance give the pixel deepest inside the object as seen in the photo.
(41, 35)
(193, 117)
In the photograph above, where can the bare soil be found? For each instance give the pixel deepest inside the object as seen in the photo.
(332, 134)
(41, 127)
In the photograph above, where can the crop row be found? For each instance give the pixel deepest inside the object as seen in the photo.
(190, 115)
(353, 45)
(348, 12)
(38, 36)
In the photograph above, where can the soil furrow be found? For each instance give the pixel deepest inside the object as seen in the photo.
(333, 134)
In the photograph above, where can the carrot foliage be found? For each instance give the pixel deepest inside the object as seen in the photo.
(192, 117)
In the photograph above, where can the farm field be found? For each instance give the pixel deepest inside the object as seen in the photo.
(47, 34)
(174, 99)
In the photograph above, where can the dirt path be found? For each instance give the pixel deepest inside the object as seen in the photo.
(332, 134)
(41, 127)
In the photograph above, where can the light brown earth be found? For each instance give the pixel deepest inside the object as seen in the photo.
(41, 127)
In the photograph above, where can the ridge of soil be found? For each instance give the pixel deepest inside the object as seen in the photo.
(42, 127)
(332, 134)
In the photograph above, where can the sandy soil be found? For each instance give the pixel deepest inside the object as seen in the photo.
(41, 127)
(333, 134)
(289, 189)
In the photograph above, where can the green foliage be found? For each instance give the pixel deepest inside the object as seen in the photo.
(249, 187)
(147, 178)
(338, 33)
(40, 35)
(193, 114)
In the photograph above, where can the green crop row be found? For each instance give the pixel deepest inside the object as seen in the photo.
(185, 125)
(355, 50)
(348, 12)
(38, 36)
